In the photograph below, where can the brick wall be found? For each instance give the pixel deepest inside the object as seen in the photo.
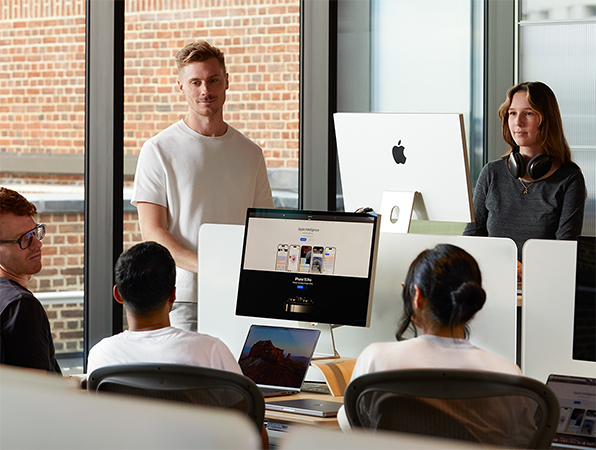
(42, 71)
(62, 258)
(66, 323)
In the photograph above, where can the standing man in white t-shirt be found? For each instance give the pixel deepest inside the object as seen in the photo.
(198, 170)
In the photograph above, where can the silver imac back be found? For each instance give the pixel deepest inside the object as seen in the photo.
(394, 152)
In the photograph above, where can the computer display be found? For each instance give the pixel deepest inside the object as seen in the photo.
(577, 411)
(312, 266)
(584, 320)
(391, 152)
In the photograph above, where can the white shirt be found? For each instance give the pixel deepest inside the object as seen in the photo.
(426, 352)
(165, 345)
(199, 180)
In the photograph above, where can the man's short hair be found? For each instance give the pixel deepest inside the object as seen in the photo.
(199, 51)
(145, 277)
(13, 202)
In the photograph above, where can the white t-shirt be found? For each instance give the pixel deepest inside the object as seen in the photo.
(200, 179)
(165, 345)
(426, 352)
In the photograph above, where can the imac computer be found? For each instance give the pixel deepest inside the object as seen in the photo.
(584, 317)
(308, 266)
(423, 156)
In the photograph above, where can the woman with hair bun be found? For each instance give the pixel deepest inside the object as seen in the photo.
(442, 293)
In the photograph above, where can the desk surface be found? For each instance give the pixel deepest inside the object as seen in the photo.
(302, 419)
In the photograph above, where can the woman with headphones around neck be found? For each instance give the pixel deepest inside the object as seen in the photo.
(535, 191)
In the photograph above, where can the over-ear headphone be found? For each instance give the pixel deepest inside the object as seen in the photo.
(537, 167)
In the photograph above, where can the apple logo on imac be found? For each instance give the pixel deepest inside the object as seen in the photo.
(398, 153)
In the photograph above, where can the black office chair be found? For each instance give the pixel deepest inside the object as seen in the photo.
(483, 407)
(182, 383)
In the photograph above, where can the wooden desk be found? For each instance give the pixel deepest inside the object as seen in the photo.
(279, 422)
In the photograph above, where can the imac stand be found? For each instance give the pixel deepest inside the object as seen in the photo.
(396, 211)
(336, 354)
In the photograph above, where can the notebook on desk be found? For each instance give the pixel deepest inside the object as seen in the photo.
(277, 358)
(577, 413)
(307, 406)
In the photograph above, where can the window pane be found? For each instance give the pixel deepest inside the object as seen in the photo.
(541, 10)
(42, 148)
(421, 56)
(564, 57)
(261, 45)
(419, 59)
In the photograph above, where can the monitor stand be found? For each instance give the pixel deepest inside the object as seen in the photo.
(336, 370)
(396, 211)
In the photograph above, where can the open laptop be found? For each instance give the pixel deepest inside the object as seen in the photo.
(577, 414)
(277, 358)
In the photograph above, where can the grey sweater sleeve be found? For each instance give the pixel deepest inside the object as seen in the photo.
(478, 227)
(572, 212)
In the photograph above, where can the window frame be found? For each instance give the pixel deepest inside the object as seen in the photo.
(104, 165)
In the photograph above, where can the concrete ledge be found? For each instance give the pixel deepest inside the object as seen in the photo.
(71, 199)
(55, 163)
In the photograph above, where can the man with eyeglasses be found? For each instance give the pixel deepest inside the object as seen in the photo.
(25, 336)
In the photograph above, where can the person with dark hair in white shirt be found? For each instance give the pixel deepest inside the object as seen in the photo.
(442, 293)
(145, 283)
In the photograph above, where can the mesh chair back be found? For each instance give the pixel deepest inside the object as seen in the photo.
(182, 383)
(483, 407)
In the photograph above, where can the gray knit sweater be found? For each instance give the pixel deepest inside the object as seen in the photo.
(553, 208)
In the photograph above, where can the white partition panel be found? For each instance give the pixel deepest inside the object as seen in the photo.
(40, 411)
(494, 328)
(548, 287)
(220, 252)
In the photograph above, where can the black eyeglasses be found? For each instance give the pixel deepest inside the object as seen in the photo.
(25, 240)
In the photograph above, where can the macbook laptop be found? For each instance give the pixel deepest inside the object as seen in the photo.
(277, 358)
(308, 406)
(577, 413)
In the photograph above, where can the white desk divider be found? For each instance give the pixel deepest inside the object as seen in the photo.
(49, 412)
(494, 327)
(548, 301)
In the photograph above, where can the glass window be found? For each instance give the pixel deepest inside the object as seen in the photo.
(404, 56)
(562, 54)
(42, 148)
(261, 45)
(421, 56)
(544, 10)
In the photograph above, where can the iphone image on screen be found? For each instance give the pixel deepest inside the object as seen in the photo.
(589, 426)
(329, 260)
(293, 258)
(564, 414)
(305, 256)
(317, 259)
(281, 260)
(575, 420)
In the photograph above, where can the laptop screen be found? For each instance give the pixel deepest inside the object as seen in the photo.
(278, 356)
(577, 418)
